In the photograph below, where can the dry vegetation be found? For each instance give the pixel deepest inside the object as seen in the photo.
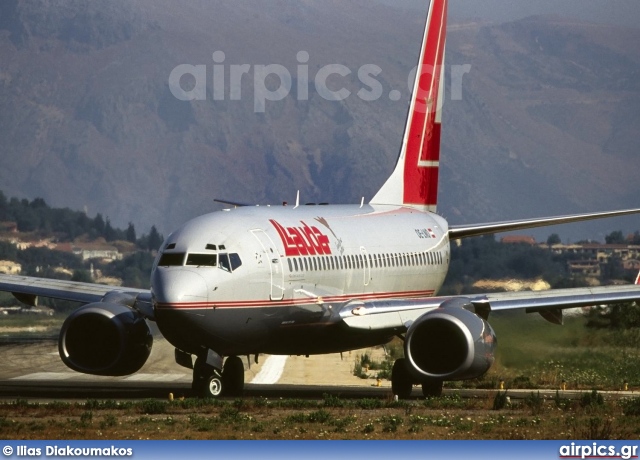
(532, 354)
(449, 417)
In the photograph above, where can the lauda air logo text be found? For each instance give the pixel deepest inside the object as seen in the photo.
(302, 241)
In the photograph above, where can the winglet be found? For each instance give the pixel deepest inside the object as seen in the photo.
(414, 181)
(638, 278)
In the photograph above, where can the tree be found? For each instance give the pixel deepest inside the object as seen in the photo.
(131, 233)
(109, 233)
(155, 240)
(98, 224)
(615, 238)
(619, 316)
(82, 276)
(554, 238)
(38, 203)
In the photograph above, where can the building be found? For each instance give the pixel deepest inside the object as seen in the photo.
(518, 239)
(587, 268)
(590, 258)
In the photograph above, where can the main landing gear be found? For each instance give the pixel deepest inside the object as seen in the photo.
(402, 382)
(209, 382)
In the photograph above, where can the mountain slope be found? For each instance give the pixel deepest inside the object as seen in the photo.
(547, 121)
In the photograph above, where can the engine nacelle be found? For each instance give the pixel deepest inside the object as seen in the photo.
(450, 343)
(105, 339)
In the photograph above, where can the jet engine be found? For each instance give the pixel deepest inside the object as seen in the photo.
(450, 343)
(105, 339)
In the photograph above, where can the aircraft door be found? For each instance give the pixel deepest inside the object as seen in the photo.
(366, 265)
(271, 257)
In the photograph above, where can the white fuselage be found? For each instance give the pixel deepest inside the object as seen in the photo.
(245, 278)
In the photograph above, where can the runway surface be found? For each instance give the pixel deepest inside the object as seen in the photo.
(33, 370)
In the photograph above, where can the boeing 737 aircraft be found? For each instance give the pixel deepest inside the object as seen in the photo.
(302, 280)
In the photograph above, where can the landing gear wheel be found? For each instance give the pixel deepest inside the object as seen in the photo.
(233, 376)
(199, 376)
(401, 381)
(432, 388)
(213, 387)
(207, 381)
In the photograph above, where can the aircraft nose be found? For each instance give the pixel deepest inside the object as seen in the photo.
(175, 288)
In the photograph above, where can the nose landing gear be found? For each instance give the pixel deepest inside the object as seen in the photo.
(209, 381)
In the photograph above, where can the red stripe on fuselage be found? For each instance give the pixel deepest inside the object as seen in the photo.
(292, 302)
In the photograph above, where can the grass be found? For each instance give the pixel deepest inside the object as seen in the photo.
(260, 418)
(24, 325)
(532, 354)
(535, 354)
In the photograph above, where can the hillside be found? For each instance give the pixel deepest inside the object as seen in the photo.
(546, 123)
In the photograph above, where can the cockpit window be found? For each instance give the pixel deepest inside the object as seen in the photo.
(224, 262)
(169, 259)
(229, 262)
(202, 260)
(235, 260)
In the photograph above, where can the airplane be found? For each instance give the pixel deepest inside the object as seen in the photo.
(314, 279)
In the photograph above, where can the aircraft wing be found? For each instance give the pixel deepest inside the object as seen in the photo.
(27, 290)
(398, 315)
(464, 231)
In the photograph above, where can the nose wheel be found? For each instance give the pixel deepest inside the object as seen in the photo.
(213, 386)
(209, 382)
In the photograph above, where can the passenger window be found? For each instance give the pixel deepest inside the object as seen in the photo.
(291, 266)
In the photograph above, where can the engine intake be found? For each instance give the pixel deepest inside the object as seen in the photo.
(105, 339)
(450, 343)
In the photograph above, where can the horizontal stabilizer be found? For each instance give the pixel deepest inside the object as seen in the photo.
(232, 203)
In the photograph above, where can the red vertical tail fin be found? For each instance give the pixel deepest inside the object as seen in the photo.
(414, 180)
(638, 278)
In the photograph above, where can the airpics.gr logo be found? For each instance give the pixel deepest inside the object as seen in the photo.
(302, 241)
